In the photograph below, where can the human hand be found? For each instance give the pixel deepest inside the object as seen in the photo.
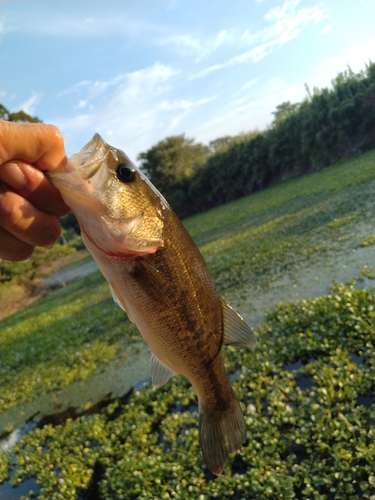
(29, 204)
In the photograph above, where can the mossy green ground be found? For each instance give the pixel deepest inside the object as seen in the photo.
(307, 390)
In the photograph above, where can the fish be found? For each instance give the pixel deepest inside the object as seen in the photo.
(158, 276)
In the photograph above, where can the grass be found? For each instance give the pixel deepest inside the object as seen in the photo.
(348, 172)
(307, 390)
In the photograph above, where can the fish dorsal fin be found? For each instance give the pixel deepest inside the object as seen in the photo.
(236, 331)
(160, 373)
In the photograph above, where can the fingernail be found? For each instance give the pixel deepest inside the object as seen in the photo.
(27, 260)
(12, 174)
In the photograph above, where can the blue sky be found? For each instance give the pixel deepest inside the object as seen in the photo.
(137, 71)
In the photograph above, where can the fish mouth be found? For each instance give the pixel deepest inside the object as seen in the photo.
(89, 160)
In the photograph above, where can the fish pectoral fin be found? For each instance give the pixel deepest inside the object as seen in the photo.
(236, 331)
(160, 373)
(118, 302)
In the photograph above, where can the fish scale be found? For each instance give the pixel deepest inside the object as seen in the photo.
(158, 276)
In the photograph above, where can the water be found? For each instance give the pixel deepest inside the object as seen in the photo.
(114, 381)
(311, 280)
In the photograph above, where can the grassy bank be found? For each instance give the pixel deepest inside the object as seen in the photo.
(307, 390)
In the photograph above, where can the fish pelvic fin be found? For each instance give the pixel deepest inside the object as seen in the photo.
(116, 298)
(160, 373)
(236, 331)
(221, 433)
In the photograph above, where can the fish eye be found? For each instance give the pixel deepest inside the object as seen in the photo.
(125, 173)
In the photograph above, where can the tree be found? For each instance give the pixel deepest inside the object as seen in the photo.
(284, 110)
(224, 143)
(17, 116)
(171, 161)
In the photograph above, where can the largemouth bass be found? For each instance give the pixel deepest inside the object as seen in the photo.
(158, 276)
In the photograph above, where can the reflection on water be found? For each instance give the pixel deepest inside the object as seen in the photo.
(9, 441)
(311, 280)
(9, 492)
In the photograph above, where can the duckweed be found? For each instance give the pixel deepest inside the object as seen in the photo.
(368, 241)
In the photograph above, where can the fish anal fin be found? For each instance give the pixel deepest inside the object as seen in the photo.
(221, 434)
(236, 331)
(160, 373)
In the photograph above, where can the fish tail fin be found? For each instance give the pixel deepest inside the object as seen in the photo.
(221, 433)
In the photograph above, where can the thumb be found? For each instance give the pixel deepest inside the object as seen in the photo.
(38, 144)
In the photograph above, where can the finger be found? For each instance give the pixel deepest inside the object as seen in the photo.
(38, 144)
(27, 223)
(30, 183)
(11, 248)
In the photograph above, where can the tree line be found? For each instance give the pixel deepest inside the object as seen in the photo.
(329, 124)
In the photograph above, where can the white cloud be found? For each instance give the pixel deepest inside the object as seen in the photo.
(184, 44)
(326, 29)
(188, 45)
(221, 38)
(140, 109)
(82, 103)
(75, 23)
(286, 23)
(207, 71)
(29, 106)
(250, 84)
(139, 85)
(356, 58)
(93, 89)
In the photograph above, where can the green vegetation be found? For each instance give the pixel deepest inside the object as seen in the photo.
(22, 272)
(255, 240)
(307, 391)
(62, 338)
(314, 442)
(17, 116)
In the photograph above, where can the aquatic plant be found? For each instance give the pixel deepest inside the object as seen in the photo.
(308, 394)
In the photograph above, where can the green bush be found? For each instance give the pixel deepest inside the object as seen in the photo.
(21, 272)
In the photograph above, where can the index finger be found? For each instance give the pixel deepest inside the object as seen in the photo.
(38, 144)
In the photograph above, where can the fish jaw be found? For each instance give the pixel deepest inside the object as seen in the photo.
(90, 188)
